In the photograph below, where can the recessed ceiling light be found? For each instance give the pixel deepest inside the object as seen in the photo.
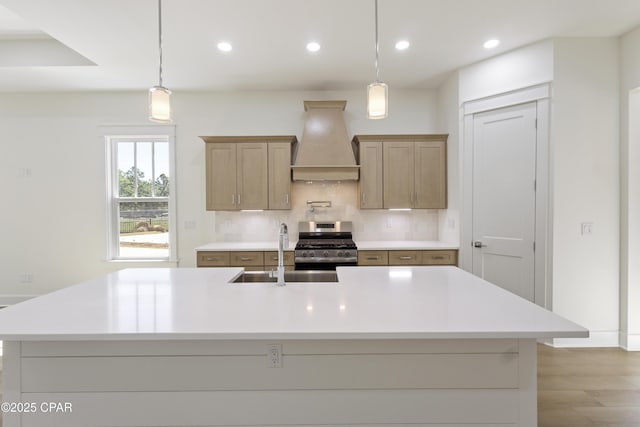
(402, 45)
(490, 44)
(224, 46)
(313, 47)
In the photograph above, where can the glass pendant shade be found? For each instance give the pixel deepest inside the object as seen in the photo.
(160, 104)
(377, 101)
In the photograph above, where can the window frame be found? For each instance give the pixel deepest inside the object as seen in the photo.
(112, 136)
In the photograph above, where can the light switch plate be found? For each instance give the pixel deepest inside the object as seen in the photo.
(586, 228)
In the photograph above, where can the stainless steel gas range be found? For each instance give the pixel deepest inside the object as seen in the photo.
(325, 245)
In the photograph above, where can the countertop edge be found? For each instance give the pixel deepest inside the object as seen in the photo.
(302, 336)
(364, 245)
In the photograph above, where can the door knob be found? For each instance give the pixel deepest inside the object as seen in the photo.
(478, 244)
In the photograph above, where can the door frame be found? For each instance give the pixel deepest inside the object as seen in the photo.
(541, 95)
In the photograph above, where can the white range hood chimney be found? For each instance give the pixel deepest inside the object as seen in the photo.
(325, 152)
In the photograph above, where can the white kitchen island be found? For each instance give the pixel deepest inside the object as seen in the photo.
(385, 346)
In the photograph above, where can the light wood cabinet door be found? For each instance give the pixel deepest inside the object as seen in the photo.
(373, 258)
(246, 259)
(430, 175)
(252, 176)
(213, 259)
(405, 258)
(371, 175)
(271, 258)
(440, 257)
(221, 176)
(398, 174)
(279, 175)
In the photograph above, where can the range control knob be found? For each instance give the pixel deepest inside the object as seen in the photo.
(325, 253)
(347, 254)
(312, 254)
(341, 254)
(304, 254)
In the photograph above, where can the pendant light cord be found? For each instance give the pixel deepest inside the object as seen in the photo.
(376, 63)
(160, 39)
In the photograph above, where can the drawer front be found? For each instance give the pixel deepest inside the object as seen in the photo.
(271, 258)
(242, 259)
(373, 257)
(213, 259)
(405, 258)
(439, 258)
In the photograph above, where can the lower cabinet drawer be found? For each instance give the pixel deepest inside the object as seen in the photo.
(242, 259)
(271, 258)
(213, 259)
(439, 258)
(405, 258)
(373, 257)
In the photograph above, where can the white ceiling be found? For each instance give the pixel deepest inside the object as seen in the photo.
(112, 44)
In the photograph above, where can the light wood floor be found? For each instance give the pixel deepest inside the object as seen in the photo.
(584, 387)
(588, 387)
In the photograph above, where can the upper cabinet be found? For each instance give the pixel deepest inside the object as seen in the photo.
(402, 171)
(246, 173)
(370, 175)
(279, 175)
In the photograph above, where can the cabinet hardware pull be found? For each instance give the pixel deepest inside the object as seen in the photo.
(233, 199)
(244, 258)
(211, 259)
(438, 257)
(286, 199)
(364, 199)
(373, 258)
(238, 199)
(411, 197)
(406, 257)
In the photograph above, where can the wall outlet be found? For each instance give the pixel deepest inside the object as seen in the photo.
(26, 278)
(24, 172)
(274, 355)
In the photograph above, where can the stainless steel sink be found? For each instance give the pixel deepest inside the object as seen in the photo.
(289, 276)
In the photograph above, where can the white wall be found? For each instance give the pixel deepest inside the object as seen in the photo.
(52, 169)
(449, 120)
(630, 190)
(584, 168)
(520, 68)
(584, 151)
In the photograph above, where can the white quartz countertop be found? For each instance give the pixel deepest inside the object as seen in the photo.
(244, 246)
(404, 245)
(361, 244)
(366, 303)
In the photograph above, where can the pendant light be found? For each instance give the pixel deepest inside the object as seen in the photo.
(160, 96)
(377, 98)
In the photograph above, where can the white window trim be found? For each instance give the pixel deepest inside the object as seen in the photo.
(108, 135)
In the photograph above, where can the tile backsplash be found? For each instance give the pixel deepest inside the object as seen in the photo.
(368, 224)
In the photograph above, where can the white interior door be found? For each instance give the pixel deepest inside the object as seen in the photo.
(504, 197)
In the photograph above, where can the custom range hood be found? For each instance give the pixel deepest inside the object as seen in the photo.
(325, 152)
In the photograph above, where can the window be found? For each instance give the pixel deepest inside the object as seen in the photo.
(140, 197)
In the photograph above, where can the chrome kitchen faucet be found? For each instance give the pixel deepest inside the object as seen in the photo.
(283, 239)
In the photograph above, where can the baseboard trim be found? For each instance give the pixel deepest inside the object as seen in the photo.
(630, 342)
(596, 339)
